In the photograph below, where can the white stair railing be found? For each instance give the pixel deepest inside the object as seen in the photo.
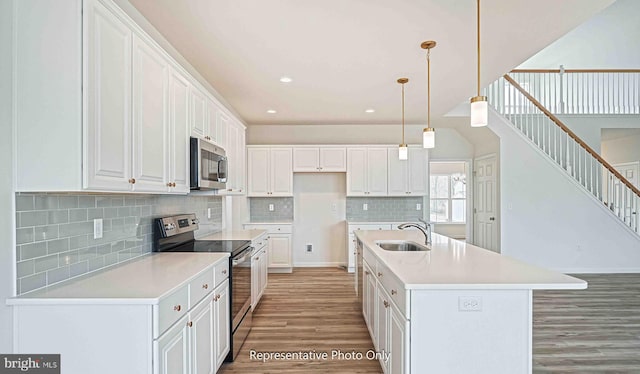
(566, 149)
(583, 91)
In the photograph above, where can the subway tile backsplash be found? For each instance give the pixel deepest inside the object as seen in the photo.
(259, 209)
(384, 209)
(54, 233)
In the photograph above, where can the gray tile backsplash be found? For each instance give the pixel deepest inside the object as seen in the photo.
(259, 209)
(384, 209)
(54, 232)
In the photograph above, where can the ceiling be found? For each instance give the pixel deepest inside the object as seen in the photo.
(344, 56)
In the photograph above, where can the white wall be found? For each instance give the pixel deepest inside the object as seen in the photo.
(617, 151)
(549, 220)
(319, 211)
(589, 127)
(607, 40)
(7, 209)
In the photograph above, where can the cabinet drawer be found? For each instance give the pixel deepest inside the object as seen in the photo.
(260, 242)
(385, 226)
(200, 286)
(393, 287)
(171, 308)
(271, 229)
(221, 272)
(369, 257)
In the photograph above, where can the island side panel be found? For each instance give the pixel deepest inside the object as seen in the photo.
(112, 338)
(446, 338)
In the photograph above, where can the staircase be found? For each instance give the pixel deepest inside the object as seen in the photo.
(609, 94)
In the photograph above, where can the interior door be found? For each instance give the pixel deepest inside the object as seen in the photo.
(486, 206)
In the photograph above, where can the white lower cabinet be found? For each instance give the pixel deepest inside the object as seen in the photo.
(278, 245)
(383, 306)
(259, 269)
(351, 240)
(199, 341)
(183, 330)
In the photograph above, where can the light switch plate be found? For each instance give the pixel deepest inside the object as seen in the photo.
(271, 208)
(365, 207)
(97, 228)
(418, 206)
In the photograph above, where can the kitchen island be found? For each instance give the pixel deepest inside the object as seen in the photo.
(455, 308)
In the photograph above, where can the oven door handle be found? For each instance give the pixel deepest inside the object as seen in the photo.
(243, 258)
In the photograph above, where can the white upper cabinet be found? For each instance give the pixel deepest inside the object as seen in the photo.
(366, 171)
(323, 159)
(199, 111)
(407, 177)
(236, 150)
(150, 110)
(110, 109)
(108, 71)
(270, 171)
(178, 132)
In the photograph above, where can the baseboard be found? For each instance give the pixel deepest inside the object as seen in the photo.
(318, 264)
(597, 270)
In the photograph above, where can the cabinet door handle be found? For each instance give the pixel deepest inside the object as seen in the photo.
(379, 274)
(169, 184)
(177, 308)
(132, 180)
(257, 258)
(386, 304)
(393, 292)
(366, 272)
(205, 286)
(224, 271)
(190, 323)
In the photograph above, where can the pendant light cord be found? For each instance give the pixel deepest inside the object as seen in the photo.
(402, 113)
(478, 35)
(428, 87)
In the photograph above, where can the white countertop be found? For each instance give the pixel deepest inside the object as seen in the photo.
(270, 223)
(141, 281)
(235, 235)
(452, 264)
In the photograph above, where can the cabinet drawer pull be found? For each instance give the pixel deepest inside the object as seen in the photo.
(379, 274)
(190, 323)
(257, 258)
(224, 271)
(386, 304)
(367, 272)
(177, 308)
(205, 286)
(394, 292)
(132, 180)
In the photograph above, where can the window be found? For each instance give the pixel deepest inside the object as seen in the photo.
(448, 192)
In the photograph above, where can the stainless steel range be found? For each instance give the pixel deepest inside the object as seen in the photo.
(175, 234)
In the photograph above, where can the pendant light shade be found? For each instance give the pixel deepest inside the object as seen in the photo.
(428, 133)
(403, 152)
(479, 107)
(428, 137)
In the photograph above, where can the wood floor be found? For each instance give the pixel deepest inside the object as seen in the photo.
(311, 310)
(314, 310)
(596, 330)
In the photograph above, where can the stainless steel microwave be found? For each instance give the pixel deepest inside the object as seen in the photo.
(208, 165)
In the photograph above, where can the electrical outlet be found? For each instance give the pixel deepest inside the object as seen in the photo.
(209, 213)
(470, 304)
(271, 208)
(309, 247)
(97, 228)
(365, 206)
(418, 206)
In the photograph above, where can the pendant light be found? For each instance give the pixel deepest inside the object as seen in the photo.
(428, 133)
(403, 151)
(479, 109)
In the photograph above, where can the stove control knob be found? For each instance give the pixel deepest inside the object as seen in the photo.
(195, 221)
(169, 226)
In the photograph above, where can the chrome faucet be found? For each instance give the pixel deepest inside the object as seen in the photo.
(417, 226)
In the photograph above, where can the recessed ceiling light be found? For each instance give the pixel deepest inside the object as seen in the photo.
(286, 80)
(370, 111)
(271, 111)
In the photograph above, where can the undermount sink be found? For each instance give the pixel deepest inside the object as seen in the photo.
(401, 246)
